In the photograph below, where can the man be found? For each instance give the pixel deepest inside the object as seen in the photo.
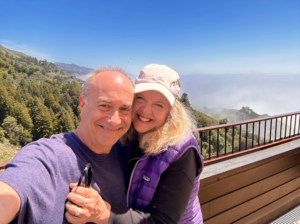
(35, 185)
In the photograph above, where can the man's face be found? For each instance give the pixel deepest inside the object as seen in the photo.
(106, 114)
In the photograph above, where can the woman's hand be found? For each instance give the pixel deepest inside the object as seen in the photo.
(86, 205)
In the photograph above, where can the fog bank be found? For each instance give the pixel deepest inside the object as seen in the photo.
(265, 94)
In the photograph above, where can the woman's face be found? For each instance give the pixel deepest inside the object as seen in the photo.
(150, 111)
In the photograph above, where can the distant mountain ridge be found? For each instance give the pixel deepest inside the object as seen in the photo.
(78, 71)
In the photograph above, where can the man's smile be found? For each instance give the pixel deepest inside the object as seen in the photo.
(109, 129)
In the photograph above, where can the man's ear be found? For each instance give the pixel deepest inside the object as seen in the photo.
(82, 103)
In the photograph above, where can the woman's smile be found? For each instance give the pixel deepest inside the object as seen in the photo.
(144, 118)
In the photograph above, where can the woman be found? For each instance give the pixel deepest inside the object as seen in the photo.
(162, 153)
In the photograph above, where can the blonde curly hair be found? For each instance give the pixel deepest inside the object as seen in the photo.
(171, 133)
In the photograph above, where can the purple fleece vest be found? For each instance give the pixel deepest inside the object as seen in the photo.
(146, 174)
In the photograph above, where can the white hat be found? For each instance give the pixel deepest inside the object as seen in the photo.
(160, 78)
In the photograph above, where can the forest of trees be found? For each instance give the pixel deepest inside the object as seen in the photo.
(35, 99)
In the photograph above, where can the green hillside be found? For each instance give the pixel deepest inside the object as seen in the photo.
(23, 66)
(37, 99)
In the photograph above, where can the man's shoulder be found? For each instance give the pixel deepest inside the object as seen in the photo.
(55, 141)
(55, 146)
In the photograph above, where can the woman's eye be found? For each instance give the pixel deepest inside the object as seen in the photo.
(159, 105)
(140, 99)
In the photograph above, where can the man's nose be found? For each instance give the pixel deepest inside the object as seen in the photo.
(115, 118)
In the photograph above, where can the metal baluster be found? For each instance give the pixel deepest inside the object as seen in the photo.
(271, 121)
(285, 127)
(225, 141)
(232, 140)
(290, 126)
(240, 138)
(265, 132)
(253, 134)
(275, 131)
(217, 142)
(209, 144)
(246, 136)
(280, 127)
(295, 126)
(258, 133)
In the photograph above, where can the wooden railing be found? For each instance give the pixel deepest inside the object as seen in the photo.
(227, 140)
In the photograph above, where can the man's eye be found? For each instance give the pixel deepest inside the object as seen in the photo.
(104, 106)
(159, 105)
(125, 109)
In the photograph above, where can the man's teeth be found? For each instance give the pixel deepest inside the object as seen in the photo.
(144, 119)
(109, 129)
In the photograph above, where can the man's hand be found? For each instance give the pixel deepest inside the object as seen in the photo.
(9, 203)
(86, 205)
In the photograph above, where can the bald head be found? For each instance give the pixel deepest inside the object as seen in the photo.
(108, 81)
(103, 72)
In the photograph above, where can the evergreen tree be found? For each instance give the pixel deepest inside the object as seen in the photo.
(43, 127)
(25, 138)
(9, 124)
(20, 112)
(223, 121)
(66, 123)
(49, 100)
(185, 100)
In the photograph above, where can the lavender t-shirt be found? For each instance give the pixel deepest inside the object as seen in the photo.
(42, 171)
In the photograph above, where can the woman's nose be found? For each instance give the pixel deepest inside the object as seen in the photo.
(146, 109)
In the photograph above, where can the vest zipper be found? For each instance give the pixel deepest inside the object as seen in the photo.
(131, 178)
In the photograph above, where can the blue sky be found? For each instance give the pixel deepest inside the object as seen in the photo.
(193, 37)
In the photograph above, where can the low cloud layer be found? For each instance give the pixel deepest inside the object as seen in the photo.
(265, 94)
(267, 64)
